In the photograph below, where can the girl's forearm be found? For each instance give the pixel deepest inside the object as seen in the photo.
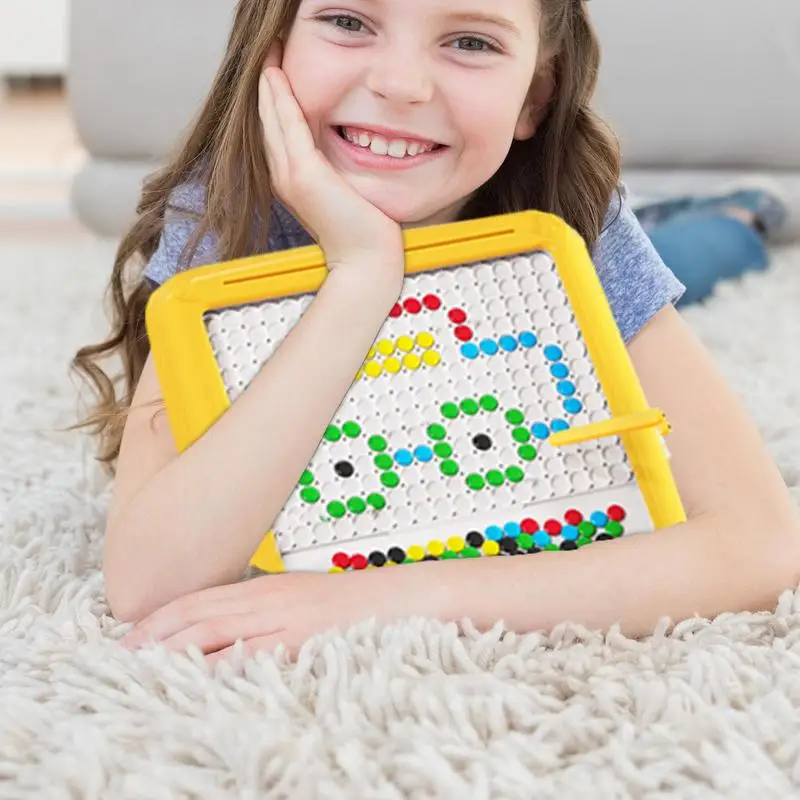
(198, 521)
(693, 569)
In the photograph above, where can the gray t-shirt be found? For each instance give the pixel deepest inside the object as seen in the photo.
(636, 281)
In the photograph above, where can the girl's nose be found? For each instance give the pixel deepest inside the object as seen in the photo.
(400, 78)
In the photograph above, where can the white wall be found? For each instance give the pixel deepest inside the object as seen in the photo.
(33, 37)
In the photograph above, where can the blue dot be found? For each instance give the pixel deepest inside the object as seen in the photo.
(559, 425)
(424, 454)
(569, 533)
(508, 343)
(573, 406)
(527, 339)
(403, 457)
(512, 529)
(599, 519)
(489, 347)
(469, 350)
(567, 388)
(560, 370)
(494, 533)
(540, 430)
(553, 353)
(541, 538)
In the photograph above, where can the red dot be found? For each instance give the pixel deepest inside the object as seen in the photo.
(358, 561)
(573, 517)
(616, 513)
(463, 333)
(341, 560)
(396, 311)
(529, 525)
(553, 527)
(431, 302)
(412, 305)
(457, 316)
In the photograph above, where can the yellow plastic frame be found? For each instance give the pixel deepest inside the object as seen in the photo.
(195, 396)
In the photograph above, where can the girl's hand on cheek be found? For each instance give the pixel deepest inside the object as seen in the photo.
(287, 609)
(346, 226)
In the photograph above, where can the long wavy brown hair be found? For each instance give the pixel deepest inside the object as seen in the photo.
(570, 167)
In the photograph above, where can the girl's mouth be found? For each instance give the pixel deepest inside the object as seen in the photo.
(379, 145)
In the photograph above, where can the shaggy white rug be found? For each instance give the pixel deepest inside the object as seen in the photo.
(711, 710)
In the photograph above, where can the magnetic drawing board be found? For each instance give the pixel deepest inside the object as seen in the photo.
(497, 412)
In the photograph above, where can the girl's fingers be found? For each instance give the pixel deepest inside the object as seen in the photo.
(274, 143)
(296, 133)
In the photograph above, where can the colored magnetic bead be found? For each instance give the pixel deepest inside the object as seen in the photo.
(341, 560)
(416, 553)
(385, 347)
(436, 432)
(573, 517)
(463, 333)
(455, 543)
(558, 425)
(553, 527)
(527, 339)
(470, 351)
(475, 482)
(449, 468)
(508, 343)
(390, 479)
(599, 519)
(448, 555)
(351, 429)
(423, 454)
(358, 561)
(470, 552)
(490, 548)
(566, 388)
(431, 358)
(396, 554)
(489, 347)
(482, 442)
(527, 452)
(525, 541)
(429, 557)
(377, 501)
(553, 353)
(540, 430)
(512, 529)
(614, 529)
(508, 544)
(449, 410)
(412, 361)
(514, 416)
(617, 513)
(495, 478)
(335, 570)
(569, 532)
(469, 407)
(529, 525)
(520, 435)
(488, 403)
(310, 495)
(456, 316)
(373, 369)
(396, 310)
(403, 458)
(377, 559)
(392, 366)
(603, 537)
(475, 539)
(435, 548)
(443, 450)
(384, 461)
(559, 370)
(306, 478)
(541, 539)
(336, 509)
(569, 545)
(356, 505)
(405, 343)
(344, 469)
(587, 529)
(573, 406)
(332, 434)
(431, 302)
(494, 532)
(377, 443)
(514, 474)
(425, 340)
(412, 305)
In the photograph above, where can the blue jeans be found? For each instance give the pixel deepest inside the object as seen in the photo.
(702, 246)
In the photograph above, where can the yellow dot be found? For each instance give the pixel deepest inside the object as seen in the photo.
(411, 361)
(392, 365)
(360, 375)
(455, 543)
(385, 347)
(425, 340)
(435, 548)
(490, 548)
(431, 358)
(390, 564)
(373, 369)
(416, 553)
(405, 343)
(335, 569)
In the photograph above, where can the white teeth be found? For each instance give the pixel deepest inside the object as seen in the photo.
(396, 148)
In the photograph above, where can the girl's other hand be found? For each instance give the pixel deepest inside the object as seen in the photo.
(347, 227)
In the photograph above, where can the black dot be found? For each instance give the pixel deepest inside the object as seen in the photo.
(429, 557)
(508, 544)
(397, 555)
(535, 550)
(482, 442)
(377, 559)
(603, 537)
(344, 469)
(569, 545)
(474, 539)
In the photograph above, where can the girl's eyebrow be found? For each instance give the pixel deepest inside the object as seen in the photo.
(492, 19)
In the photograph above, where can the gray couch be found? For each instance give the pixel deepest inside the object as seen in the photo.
(700, 93)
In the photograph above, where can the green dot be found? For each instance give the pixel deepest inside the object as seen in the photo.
(449, 468)
(448, 554)
(377, 443)
(527, 452)
(469, 407)
(521, 435)
(450, 410)
(336, 509)
(443, 450)
(551, 547)
(495, 478)
(587, 529)
(390, 479)
(384, 461)
(515, 474)
(356, 505)
(475, 482)
(470, 552)
(306, 478)
(514, 416)
(583, 541)
(436, 432)
(332, 433)
(525, 541)
(613, 528)
(351, 429)
(377, 501)
(488, 403)
(310, 495)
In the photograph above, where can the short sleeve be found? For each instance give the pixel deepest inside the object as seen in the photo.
(181, 218)
(637, 282)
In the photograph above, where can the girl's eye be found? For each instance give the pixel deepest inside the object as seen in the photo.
(475, 44)
(345, 22)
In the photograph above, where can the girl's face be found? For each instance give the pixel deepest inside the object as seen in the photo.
(414, 102)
